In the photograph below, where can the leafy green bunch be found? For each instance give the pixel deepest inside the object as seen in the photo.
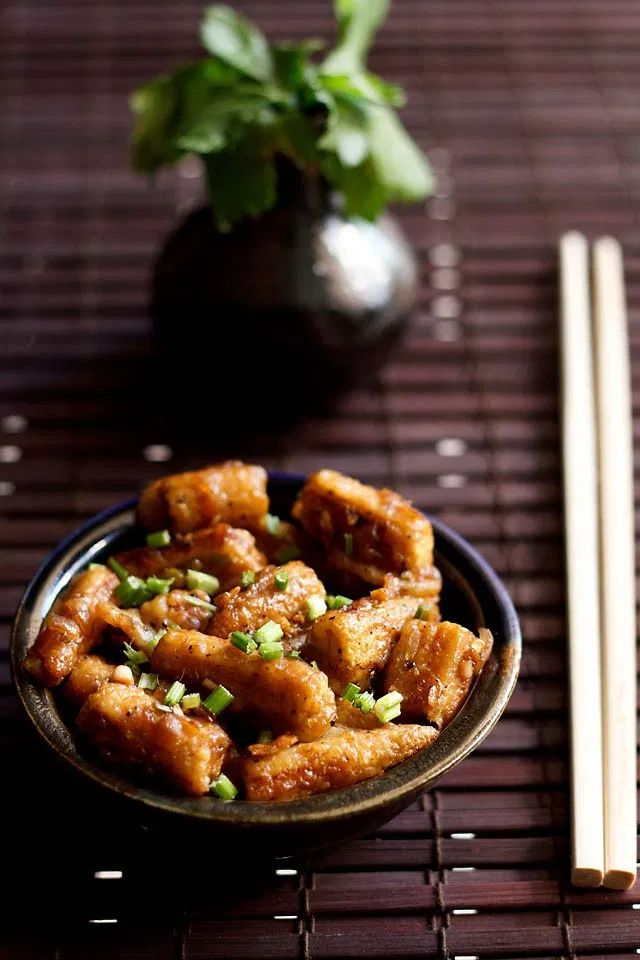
(250, 102)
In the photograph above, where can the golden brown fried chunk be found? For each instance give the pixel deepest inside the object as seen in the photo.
(338, 760)
(349, 716)
(230, 492)
(87, 676)
(367, 532)
(283, 742)
(72, 627)
(247, 609)
(351, 643)
(177, 607)
(221, 550)
(288, 695)
(433, 667)
(129, 622)
(426, 590)
(127, 726)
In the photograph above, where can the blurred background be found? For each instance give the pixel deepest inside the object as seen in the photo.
(530, 115)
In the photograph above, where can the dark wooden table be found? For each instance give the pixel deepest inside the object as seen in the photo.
(531, 115)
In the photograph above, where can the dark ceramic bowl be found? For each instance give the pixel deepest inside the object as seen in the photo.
(472, 595)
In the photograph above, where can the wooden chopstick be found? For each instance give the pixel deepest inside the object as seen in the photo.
(581, 539)
(617, 568)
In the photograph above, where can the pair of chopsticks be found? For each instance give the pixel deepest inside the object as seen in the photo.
(600, 552)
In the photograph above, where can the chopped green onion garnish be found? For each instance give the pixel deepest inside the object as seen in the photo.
(388, 707)
(134, 656)
(287, 552)
(161, 538)
(117, 568)
(269, 632)
(243, 641)
(271, 651)
(175, 693)
(337, 602)
(198, 602)
(155, 639)
(157, 585)
(132, 592)
(364, 702)
(423, 612)
(94, 566)
(294, 655)
(148, 681)
(247, 577)
(280, 580)
(272, 524)
(202, 581)
(350, 692)
(315, 607)
(223, 788)
(190, 701)
(348, 544)
(265, 736)
(218, 700)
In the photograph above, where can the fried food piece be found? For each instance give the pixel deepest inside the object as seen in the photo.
(433, 667)
(351, 643)
(366, 532)
(87, 676)
(426, 590)
(248, 609)
(128, 622)
(352, 717)
(289, 696)
(71, 628)
(230, 492)
(224, 551)
(283, 742)
(176, 607)
(127, 726)
(338, 760)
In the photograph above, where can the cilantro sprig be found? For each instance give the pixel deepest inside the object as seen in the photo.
(249, 102)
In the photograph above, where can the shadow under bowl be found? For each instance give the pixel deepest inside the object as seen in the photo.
(472, 595)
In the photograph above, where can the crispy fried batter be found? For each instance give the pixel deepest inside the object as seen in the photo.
(72, 627)
(339, 760)
(87, 676)
(289, 695)
(283, 742)
(176, 607)
(433, 667)
(349, 716)
(128, 622)
(221, 550)
(230, 492)
(351, 643)
(127, 726)
(248, 609)
(367, 532)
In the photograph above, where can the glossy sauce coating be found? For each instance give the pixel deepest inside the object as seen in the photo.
(230, 492)
(433, 667)
(72, 627)
(221, 550)
(289, 695)
(351, 643)
(340, 759)
(247, 609)
(130, 727)
(385, 534)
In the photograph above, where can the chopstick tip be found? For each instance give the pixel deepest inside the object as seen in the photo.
(586, 877)
(617, 879)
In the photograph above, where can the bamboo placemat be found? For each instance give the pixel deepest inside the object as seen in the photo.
(531, 115)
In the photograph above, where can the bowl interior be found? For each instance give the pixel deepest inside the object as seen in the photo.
(472, 595)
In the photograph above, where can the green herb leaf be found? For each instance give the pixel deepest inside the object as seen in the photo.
(347, 133)
(238, 42)
(358, 20)
(242, 182)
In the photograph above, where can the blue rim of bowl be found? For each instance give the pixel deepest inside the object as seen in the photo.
(485, 704)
